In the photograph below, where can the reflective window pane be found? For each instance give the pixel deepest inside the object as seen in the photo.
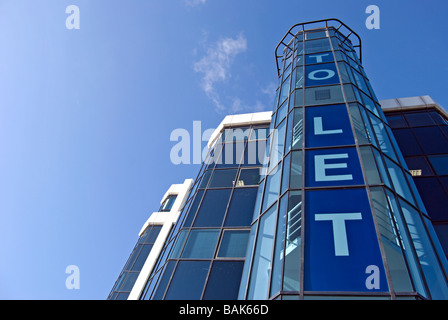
(432, 139)
(214, 201)
(233, 244)
(409, 145)
(241, 207)
(419, 119)
(419, 166)
(224, 280)
(261, 266)
(200, 244)
(396, 121)
(295, 181)
(223, 178)
(440, 164)
(188, 280)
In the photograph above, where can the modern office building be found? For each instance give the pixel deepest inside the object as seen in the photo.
(420, 127)
(151, 240)
(311, 201)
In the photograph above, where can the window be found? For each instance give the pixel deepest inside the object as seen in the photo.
(223, 178)
(193, 208)
(241, 207)
(432, 139)
(295, 181)
(168, 203)
(233, 244)
(188, 280)
(297, 130)
(440, 164)
(214, 201)
(259, 133)
(323, 95)
(248, 177)
(434, 197)
(426, 253)
(231, 155)
(261, 266)
(272, 187)
(224, 280)
(419, 119)
(391, 241)
(396, 121)
(399, 181)
(407, 142)
(418, 166)
(201, 244)
(321, 45)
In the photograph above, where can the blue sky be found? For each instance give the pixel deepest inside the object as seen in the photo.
(86, 115)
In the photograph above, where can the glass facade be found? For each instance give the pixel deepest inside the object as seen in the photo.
(319, 204)
(423, 137)
(133, 266)
(337, 213)
(204, 255)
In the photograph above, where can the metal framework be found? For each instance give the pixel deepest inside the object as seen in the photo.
(325, 22)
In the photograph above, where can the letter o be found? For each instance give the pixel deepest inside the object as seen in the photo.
(330, 74)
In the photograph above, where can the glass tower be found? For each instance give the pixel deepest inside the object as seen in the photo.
(338, 214)
(311, 201)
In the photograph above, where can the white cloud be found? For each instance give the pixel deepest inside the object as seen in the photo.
(194, 3)
(216, 63)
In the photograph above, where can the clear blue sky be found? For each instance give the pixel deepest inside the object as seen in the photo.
(86, 115)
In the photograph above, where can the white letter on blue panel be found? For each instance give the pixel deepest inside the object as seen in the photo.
(329, 74)
(318, 128)
(339, 231)
(319, 57)
(320, 166)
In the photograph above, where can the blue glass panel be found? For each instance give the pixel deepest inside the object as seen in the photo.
(396, 121)
(247, 264)
(188, 280)
(342, 250)
(279, 247)
(231, 155)
(213, 207)
(223, 178)
(328, 126)
(432, 139)
(419, 119)
(440, 164)
(193, 208)
(319, 58)
(434, 197)
(291, 276)
(419, 166)
(261, 265)
(399, 181)
(241, 207)
(320, 45)
(201, 244)
(407, 142)
(158, 295)
(321, 74)
(233, 244)
(254, 153)
(272, 187)
(224, 280)
(426, 254)
(129, 281)
(333, 167)
(141, 259)
(248, 177)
